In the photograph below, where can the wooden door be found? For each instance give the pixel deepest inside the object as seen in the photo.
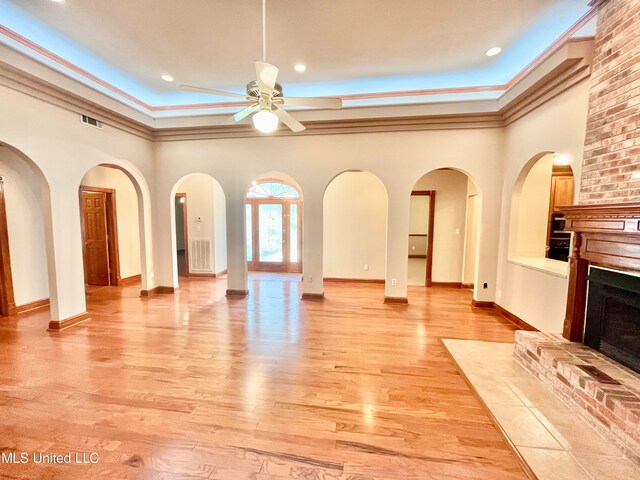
(96, 245)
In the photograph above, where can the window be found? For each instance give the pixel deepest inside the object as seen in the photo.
(272, 190)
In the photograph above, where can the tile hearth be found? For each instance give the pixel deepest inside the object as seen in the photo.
(555, 443)
(594, 386)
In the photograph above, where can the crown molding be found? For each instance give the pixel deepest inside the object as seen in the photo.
(563, 68)
(40, 89)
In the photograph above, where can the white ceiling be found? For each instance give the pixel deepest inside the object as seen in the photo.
(373, 53)
(213, 42)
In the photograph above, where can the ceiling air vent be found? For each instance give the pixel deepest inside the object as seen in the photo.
(92, 122)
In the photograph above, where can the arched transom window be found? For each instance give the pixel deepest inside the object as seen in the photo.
(272, 190)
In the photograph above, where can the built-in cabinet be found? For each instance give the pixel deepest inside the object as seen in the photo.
(562, 192)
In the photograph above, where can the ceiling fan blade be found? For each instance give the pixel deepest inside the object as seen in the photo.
(214, 92)
(286, 118)
(315, 102)
(245, 112)
(266, 74)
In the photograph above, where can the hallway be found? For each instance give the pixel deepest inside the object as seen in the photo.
(195, 385)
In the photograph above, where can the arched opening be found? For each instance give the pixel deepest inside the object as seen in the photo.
(25, 234)
(273, 215)
(112, 225)
(355, 228)
(536, 231)
(444, 222)
(199, 227)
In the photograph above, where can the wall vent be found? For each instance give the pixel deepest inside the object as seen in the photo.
(200, 255)
(92, 122)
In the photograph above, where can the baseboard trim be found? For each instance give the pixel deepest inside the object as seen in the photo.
(236, 293)
(353, 280)
(313, 296)
(396, 300)
(130, 280)
(202, 275)
(514, 319)
(36, 305)
(480, 304)
(157, 291)
(221, 273)
(446, 284)
(59, 325)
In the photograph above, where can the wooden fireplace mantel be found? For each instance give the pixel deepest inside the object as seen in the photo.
(604, 235)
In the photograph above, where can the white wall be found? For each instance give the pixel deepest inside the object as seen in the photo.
(539, 297)
(126, 212)
(449, 216)
(355, 227)
(25, 224)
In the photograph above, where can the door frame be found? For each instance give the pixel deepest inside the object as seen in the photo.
(286, 266)
(7, 299)
(428, 282)
(112, 231)
(185, 221)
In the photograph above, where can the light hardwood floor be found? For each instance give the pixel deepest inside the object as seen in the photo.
(195, 385)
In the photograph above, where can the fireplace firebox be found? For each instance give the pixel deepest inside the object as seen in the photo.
(613, 316)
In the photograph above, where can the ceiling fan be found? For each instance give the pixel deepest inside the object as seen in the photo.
(265, 95)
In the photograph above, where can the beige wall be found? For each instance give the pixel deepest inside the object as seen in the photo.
(62, 150)
(448, 222)
(398, 159)
(472, 225)
(219, 229)
(25, 224)
(539, 297)
(204, 198)
(530, 210)
(126, 212)
(355, 227)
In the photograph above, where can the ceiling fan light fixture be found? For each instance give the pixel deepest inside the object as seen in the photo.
(265, 121)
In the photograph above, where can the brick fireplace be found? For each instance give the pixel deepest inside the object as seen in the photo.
(602, 383)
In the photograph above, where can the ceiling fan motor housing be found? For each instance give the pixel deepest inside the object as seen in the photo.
(253, 90)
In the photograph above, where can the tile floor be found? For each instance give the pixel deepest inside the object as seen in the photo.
(555, 443)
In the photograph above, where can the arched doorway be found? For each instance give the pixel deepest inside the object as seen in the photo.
(112, 226)
(199, 227)
(25, 234)
(274, 226)
(443, 229)
(536, 232)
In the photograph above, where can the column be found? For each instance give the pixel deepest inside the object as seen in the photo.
(237, 284)
(312, 238)
(395, 288)
(64, 257)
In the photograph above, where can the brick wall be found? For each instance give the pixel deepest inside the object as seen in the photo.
(611, 168)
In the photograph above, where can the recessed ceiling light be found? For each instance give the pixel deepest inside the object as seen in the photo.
(492, 52)
(58, 1)
(167, 78)
(300, 67)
